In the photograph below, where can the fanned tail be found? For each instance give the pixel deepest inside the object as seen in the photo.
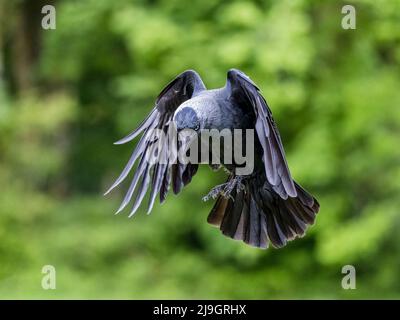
(257, 215)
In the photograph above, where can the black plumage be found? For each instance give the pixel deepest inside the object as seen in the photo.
(267, 206)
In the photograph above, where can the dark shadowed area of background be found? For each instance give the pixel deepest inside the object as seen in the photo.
(67, 94)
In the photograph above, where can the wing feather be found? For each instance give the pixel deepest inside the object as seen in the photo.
(157, 174)
(240, 88)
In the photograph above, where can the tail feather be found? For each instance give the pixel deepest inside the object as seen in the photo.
(218, 211)
(258, 216)
(230, 223)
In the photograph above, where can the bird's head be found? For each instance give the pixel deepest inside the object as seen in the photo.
(187, 118)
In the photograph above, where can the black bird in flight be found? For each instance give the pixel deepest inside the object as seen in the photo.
(264, 207)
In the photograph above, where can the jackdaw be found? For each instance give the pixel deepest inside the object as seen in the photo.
(264, 207)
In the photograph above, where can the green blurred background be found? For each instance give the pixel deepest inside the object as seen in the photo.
(67, 94)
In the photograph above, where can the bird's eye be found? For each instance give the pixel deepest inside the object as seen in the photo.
(197, 127)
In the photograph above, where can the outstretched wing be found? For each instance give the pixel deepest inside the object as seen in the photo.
(244, 94)
(159, 172)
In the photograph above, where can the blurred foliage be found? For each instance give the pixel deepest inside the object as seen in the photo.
(334, 93)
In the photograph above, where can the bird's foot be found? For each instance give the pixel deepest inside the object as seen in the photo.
(225, 189)
(235, 182)
(215, 192)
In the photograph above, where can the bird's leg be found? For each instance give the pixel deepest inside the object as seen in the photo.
(215, 192)
(225, 189)
(236, 181)
(215, 167)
